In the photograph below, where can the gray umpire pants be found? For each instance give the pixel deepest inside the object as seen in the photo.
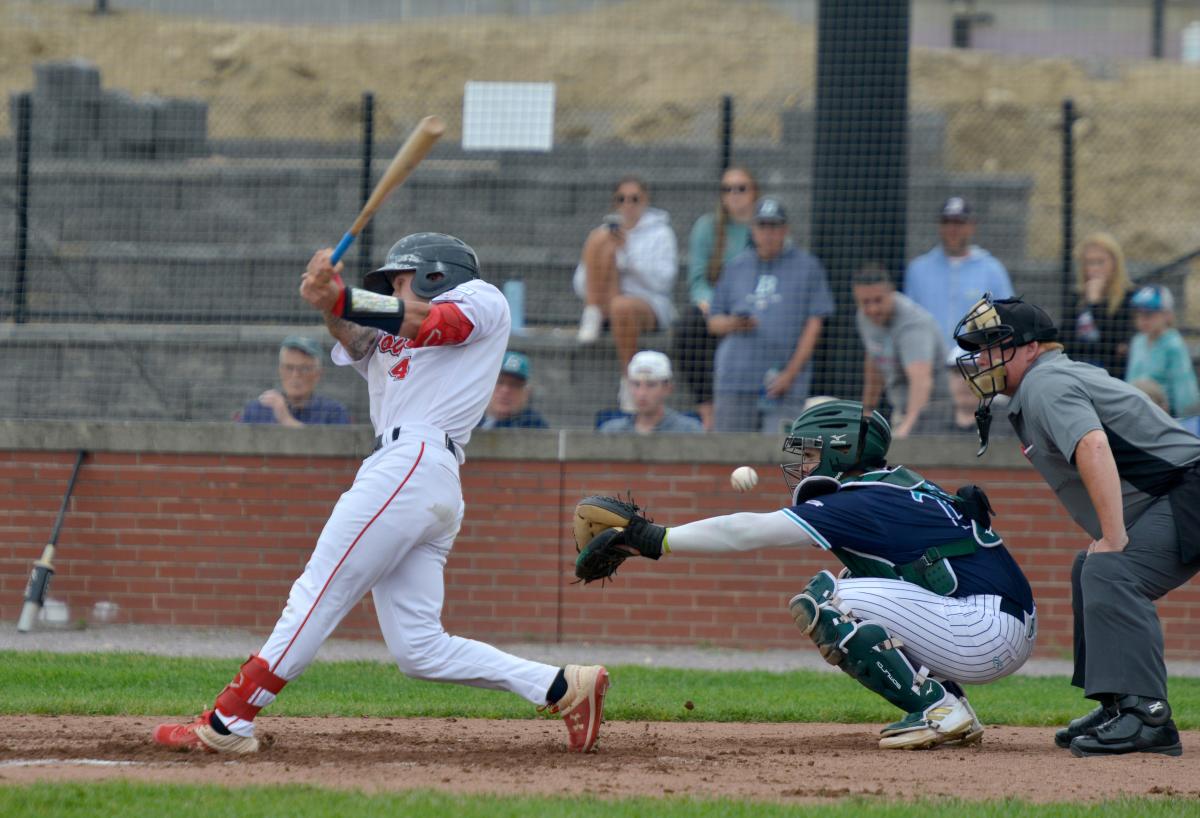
(1118, 638)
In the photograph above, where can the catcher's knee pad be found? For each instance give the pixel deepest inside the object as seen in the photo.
(873, 657)
(818, 611)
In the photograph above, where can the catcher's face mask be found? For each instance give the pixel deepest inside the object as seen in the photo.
(989, 345)
(810, 450)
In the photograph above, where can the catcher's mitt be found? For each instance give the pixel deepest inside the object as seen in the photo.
(609, 530)
(596, 513)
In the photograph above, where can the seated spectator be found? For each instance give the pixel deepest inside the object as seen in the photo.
(627, 273)
(947, 281)
(649, 375)
(768, 309)
(295, 402)
(716, 239)
(1099, 330)
(509, 407)
(904, 357)
(1159, 352)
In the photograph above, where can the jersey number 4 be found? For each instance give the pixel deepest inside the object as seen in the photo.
(400, 370)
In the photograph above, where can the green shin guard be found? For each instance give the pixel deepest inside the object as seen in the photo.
(863, 650)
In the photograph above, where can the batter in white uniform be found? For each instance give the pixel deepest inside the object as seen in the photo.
(428, 336)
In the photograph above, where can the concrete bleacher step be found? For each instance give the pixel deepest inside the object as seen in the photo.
(306, 203)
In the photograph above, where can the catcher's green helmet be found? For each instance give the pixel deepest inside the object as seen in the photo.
(845, 438)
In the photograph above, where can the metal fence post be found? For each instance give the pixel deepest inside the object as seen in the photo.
(23, 131)
(1068, 199)
(726, 132)
(368, 137)
(1157, 24)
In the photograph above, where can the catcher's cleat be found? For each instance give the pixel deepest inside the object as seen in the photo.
(950, 719)
(582, 708)
(200, 735)
(975, 734)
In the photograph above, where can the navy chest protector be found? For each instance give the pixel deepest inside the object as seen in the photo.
(932, 570)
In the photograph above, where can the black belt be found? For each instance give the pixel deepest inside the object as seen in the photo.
(395, 433)
(1012, 609)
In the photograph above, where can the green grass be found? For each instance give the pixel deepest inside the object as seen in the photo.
(135, 684)
(134, 800)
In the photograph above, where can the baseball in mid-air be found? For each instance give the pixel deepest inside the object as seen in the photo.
(743, 478)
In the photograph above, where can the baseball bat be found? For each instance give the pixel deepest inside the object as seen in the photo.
(43, 569)
(414, 149)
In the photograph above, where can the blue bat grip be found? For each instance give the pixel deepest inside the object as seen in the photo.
(342, 247)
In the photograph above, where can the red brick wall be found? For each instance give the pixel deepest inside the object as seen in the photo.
(216, 540)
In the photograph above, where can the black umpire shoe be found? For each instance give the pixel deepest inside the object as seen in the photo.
(1086, 725)
(1141, 725)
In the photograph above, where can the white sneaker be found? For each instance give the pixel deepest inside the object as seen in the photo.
(590, 324)
(625, 397)
(948, 720)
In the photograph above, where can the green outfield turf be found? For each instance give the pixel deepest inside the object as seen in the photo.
(135, 684)
(132, 800)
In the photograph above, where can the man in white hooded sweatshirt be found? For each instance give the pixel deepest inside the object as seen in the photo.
(627, 273)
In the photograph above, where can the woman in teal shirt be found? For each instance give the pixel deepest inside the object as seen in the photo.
(716, 238)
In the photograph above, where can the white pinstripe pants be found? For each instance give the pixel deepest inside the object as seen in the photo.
(963, 639)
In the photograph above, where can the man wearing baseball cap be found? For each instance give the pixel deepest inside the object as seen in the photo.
(951, 277)
(1128, 476)
(768, 311)
(509, 407)
(649, 375)
(295, 403)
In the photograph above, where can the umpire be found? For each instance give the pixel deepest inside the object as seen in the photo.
(1128, 475)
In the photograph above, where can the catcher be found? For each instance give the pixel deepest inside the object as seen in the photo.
(929, 598)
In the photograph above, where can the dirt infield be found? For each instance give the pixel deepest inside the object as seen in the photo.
(770, 762)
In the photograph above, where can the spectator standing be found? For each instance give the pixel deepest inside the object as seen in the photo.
(295, 403)
(1159, 352)
(716, 239)
(948, 280)
(1101, 328)
(650, 384)
(904, 355)
(627, 274)
(509, 407)
(768, 309)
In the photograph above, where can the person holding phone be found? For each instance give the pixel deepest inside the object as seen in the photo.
(627, 273)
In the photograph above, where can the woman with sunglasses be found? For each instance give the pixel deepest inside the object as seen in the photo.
(627, 273)
(716, 238)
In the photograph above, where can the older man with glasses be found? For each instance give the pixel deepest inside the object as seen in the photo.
(295, 403)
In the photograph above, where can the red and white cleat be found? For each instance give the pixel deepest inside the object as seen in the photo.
(582, 708)
(200, 735)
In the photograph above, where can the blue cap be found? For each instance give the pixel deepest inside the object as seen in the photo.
(1153, 298)
(304, 344)
(770, 210)
(515, 364)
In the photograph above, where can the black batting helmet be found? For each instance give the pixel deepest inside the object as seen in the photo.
(439, 263)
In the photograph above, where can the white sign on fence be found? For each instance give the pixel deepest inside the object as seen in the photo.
(508, 116)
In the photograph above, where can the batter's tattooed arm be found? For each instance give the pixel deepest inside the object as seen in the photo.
(357, 340)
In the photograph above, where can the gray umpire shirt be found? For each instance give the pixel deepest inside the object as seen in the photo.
(911, 336)
(1060, 400)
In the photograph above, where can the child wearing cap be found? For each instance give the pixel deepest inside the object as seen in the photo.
(1159, 352)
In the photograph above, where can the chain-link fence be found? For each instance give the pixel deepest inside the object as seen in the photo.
(150, 247)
